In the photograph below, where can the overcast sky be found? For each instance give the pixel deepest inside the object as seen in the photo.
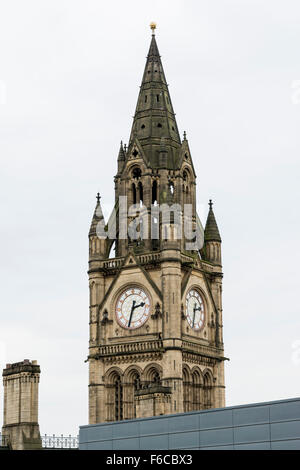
(69, 79)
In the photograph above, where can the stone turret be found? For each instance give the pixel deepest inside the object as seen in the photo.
(97, 237)
(212, 239)
(20, 421)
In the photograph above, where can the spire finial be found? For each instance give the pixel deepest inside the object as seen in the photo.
(184, 135)
(153, 27)
(210, 204)
(98, 197)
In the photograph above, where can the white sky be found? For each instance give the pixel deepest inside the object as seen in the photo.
(69, 79)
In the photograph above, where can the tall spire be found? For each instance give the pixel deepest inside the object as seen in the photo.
(211, 232)
(154, 115)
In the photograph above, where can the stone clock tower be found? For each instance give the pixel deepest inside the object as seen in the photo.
(156, 343)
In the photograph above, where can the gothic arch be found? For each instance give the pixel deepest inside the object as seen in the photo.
(208, 373)
(114, 394)
(111, 373)
(131, 371)
(131, 167)
(150, 373)
(132, 382)
(197, 385)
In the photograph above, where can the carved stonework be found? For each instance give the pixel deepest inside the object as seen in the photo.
(158, 300)
(131, 359)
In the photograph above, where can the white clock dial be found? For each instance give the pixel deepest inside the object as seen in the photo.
(195, 313)
(132, 308)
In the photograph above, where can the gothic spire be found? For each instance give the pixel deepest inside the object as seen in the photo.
(211, 232)
(154, 115)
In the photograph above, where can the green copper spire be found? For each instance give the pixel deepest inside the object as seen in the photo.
(211, 232)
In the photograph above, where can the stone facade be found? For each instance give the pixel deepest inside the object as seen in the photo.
(144, 322)
(20, 421)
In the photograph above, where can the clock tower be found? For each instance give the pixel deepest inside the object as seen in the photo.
(156, 342)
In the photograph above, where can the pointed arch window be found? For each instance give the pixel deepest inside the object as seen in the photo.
(196, 390)
(133, 193)
(154, 192)
(136, 173)
(141, 192)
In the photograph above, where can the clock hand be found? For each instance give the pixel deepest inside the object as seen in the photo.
(195, 309)
(132, 309)
(140, 305)
(194, 313)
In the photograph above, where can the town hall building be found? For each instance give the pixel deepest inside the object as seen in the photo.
(156, 327)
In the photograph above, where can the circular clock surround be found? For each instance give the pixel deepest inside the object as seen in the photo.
(195, 309)
(132, 307)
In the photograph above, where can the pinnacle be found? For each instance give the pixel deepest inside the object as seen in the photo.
(211, 232)
(96, 217)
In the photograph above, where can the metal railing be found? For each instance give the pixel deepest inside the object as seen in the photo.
(60, 442)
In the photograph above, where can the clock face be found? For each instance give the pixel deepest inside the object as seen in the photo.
(195, 313)
(132, 308)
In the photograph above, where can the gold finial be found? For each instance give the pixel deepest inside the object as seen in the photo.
(153, 26)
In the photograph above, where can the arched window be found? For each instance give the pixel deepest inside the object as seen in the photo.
(133, 193)
(154, 192)
(152, 376)
(136, 173)
(118, 399)
(141, 192)
(196, 390)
